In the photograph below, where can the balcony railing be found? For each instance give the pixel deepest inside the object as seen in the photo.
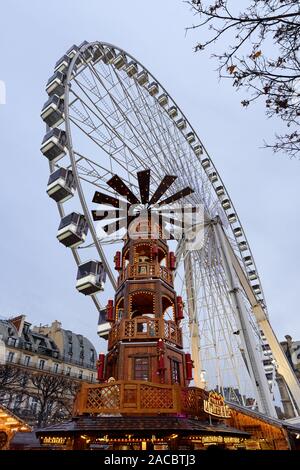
(139, 397)
(146, 270)
(47, 353)
(35, 366)
(142, 327)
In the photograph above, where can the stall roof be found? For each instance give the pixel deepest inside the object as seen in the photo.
(273, 421)
(9, 421)
(133, 423)
(24, 440)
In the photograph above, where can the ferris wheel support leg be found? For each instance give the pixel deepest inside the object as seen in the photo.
(193, 322)
(254, 362)
(283, 367)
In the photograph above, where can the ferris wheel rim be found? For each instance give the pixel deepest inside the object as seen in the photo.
(260, 297)
(77, 178)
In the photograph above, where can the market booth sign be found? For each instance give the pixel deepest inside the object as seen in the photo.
(229, 440)
(215, 406)
(54, 440)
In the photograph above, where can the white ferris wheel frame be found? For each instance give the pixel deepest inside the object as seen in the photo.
(237, 264)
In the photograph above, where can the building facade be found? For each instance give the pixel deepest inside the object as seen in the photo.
(32, 357)
(292, 351)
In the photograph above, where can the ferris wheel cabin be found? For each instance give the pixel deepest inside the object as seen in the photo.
(98, 54)
(61, 185)
(90, 277)
(120, 61)
(153, 88)
(52, 112)
(62, 64)
(87, 53)
(56, 84)
(142, 77)
(181, 124)
(54, 145)
(72, 230)
(131, 68)
(72, 51)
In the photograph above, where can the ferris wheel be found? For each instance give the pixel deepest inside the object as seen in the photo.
(107, 115)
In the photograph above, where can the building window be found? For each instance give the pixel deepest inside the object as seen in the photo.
(70, 348)
(80, 374)
(92, 355)
(26, 360)
(92, 377)
(26, 329)
(10, 357)
(55, 368)
(24, 380)
(68, 371)
(141, 368)
(175, 372)
(34, 403)
(18, 402)
(41, 364)
(11, 341)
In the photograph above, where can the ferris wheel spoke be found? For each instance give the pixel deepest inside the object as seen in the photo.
(166, 156)
(102, 174)
(139, 136)
(88, 108)
(144, 135)
(168, 142)
(141, 119)
(122, 150)
(136, 136)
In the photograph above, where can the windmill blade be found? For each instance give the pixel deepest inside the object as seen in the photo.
(101, 198)
(180, 194)
(144, 185)
(164, 185)
(120, 187)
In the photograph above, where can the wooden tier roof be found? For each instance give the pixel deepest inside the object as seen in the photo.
(145, 424)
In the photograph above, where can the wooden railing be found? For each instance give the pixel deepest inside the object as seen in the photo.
(142, 327)
(139, 397)
(146, 270)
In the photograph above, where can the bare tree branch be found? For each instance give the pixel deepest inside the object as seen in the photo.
(262, 45)
(54, 394)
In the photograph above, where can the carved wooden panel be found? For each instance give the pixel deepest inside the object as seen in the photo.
(156, 398)
(107, 397)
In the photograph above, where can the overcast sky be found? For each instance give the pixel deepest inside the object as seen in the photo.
(37, 276)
